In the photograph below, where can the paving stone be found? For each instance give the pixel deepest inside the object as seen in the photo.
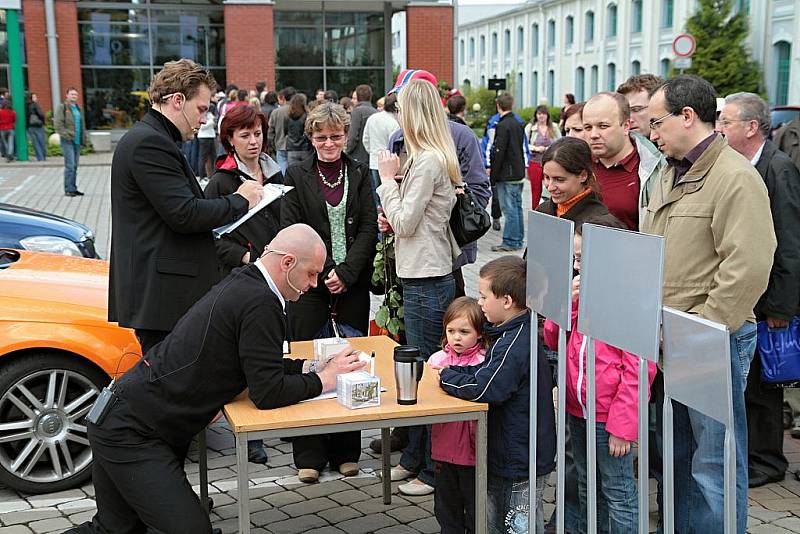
(230, 525)
(298, 525)
(222, 461)
(764, 515)
(281, 460)
(397, 529)
(789, 523)
(278, 500)
(325, 530)
(768, 529)
(428, 505)
(14, 505)
(53, 499)
(782, 505)
(50, 525)
(309, 507)
(232, 510)
(428, 525)
(362, 525)
(408, 514)
(77, 506)
(267, 517)
(339, 514)
(373, 506)
(16, 529)
(82, 517)
(361, 480)
(350, 496)
(26, 516)
(312, 491)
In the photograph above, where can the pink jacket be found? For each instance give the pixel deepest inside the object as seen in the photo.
(454, 443)
(616, 375)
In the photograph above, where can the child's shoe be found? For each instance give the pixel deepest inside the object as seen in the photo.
(416, 487)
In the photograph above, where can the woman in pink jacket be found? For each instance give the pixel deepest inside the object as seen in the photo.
(453, 444)
(616, 391)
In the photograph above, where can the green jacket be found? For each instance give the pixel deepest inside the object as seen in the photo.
(64, 124)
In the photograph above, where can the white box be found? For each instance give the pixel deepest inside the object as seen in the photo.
(358, 389)
(326, 347)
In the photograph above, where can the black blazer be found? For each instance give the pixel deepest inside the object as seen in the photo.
(306, 204)
(162, 250)
(782, 297)
(508, 160)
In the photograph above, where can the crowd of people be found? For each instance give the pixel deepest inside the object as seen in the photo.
(212, 313)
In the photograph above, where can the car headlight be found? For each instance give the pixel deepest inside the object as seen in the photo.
(51, 244)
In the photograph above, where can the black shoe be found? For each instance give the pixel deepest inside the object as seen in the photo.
(756, 479)
(503, 248)
(216, 531)
(70, 194)
(256, 453)
(394, 444)
(79, 193)
(496, 225)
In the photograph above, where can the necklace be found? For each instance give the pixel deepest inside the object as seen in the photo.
(335, 184)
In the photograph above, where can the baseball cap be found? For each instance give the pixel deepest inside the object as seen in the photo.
(407, 75)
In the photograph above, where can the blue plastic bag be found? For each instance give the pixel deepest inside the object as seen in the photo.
(779, 350)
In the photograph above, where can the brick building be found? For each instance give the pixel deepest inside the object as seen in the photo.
(109, 50)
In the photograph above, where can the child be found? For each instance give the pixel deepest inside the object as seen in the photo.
(616, 392)
(453, 444)
(503, 381)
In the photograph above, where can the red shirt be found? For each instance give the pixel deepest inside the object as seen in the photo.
(7, 118)
(619, 187)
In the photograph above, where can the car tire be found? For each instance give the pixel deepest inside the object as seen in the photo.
(44, 398)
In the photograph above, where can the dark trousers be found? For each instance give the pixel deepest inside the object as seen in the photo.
(314, 452)
(496, 213)
(764, 407)
(207, 153)
(454, 499)
(458, 277)
(140, 485)
(150, 338)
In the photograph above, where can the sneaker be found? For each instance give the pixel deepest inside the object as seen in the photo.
(400, 473)
(496, 225)
(505, 248)
(416, 487)
(349, 469)
(309, 476)
(79, 193)
(395, 444)
(70, 194)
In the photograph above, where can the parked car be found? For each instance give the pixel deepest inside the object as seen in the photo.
(31, 229)
(781, 115)
(57, 351)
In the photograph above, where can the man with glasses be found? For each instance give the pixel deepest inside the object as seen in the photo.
(636, 90)
(745, 123)
(712, 208)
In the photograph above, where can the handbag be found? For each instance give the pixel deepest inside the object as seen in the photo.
(468, 221)
(779, 351)
(34, 121)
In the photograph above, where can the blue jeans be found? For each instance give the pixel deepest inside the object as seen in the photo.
(617, 505)
(700, 454)
(37, 139)
(7, 138)
(510, 195)
(508, 503)
(72, 154)
(425, 301)
(282, 159)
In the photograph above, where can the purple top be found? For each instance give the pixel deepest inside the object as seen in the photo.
(330, 170)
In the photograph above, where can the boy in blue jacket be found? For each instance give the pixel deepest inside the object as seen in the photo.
(503, 381)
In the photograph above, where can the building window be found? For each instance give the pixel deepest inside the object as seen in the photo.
(461, 52)
(518, 89)
(520, 40)
(483, 81)
(611, 77)
(551, 34)
(396, 40)
(551, 87)
(569, 30)
(535, 89)
(636, 16)
(494, 46)
(580, 82)
(667, 9)
(471, 49)
(589, 34)
(665, 67)
(636, 68)
(483, 48)
(507, 44)
(593, 81)
(611, 16)
(535, 40)
(783, 56)
(743, 5)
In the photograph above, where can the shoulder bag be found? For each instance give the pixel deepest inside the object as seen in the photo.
(468, 221)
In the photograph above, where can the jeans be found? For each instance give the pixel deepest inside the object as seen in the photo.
(7, 139)
(425, 301)
(282, 158)
(72, 154)
(510, 196)
(37, 139)
(617, 505)
(507, 506)
(699, 452)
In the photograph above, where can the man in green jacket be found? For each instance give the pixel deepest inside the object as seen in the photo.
(70, 125)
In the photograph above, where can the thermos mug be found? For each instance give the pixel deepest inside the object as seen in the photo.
(408, 367)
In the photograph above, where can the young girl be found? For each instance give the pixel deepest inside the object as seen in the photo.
(453, 444)
(616, 391)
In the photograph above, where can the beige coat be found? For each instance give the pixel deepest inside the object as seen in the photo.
(419, 212)
(719, 239)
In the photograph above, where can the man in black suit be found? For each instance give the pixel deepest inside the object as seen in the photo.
(230, 340)
(745, 122)
(162, 249)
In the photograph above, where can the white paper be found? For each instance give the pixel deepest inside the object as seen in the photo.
(272, 192)
(330, 395)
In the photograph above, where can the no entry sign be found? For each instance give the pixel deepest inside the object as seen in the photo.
(684, 45)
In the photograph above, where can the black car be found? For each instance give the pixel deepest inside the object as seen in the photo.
(30, 229)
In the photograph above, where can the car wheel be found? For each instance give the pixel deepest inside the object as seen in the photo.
(44, 398)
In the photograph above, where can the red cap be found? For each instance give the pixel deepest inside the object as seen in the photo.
(407, 75)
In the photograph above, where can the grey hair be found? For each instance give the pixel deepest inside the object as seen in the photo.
(752, 108)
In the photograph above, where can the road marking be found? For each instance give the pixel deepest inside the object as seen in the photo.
(8, 195)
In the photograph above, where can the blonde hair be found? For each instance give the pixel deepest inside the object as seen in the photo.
(425, 128)
(327, 115)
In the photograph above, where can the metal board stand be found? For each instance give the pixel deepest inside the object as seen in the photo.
(620, 304)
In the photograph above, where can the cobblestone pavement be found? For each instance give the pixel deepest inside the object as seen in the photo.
(280, 503)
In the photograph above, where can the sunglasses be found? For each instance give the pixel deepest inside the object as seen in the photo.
(321, 139)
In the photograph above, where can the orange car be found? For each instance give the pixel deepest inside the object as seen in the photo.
(57, 351)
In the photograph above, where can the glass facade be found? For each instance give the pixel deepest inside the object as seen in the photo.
(4, 79)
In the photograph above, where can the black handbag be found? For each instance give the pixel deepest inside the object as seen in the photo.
(468, 221)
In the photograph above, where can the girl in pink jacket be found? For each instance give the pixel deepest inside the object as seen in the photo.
(616, 390)
(453, 444)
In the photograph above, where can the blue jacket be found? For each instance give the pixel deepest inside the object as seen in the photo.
(503, 381)
(487, 141)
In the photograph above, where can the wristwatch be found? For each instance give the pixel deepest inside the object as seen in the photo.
(312, 366)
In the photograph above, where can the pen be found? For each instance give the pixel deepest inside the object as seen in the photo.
(372, 364)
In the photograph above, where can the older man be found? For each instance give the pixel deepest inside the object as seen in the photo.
(712, 208)
(745, 122)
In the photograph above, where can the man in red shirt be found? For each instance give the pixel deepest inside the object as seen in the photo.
(625, 162)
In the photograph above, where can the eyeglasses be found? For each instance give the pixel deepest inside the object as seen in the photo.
(655, 124)
(638, 109)
(321, 139)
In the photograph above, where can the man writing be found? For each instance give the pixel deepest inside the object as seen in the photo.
(230, 340)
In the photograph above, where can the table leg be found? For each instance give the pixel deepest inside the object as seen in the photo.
(386, 469)
(481, 473)
(202, 458)
(242, 478)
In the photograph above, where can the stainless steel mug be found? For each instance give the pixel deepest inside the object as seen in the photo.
(408, 367)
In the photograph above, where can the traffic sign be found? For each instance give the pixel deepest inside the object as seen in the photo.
(684, 45)
(682, 63)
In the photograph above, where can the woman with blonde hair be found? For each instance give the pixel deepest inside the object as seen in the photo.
(417, 206)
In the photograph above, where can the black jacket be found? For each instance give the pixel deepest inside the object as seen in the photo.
(782, 298)
(508, 160)
(296, 139)
(255, 233)
(355, 137)
(230, 340)
(588, 208)
(163, 257)
(305, 204)
(34, 109)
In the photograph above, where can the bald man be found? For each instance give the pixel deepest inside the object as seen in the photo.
(231, 339)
